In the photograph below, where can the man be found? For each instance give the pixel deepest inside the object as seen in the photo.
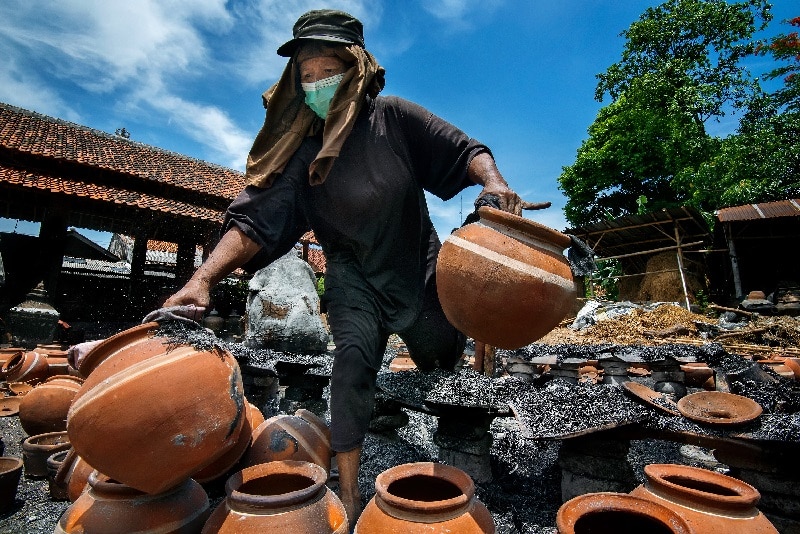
(335, 157)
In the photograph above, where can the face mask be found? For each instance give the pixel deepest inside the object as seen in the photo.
(320, 93)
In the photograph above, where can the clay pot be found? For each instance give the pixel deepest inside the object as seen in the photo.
(280, 496)
(73, 474)
(424, 497)
(45, 408)
(222, 465)
(150, 413)
(708, 501)
(10, 473)
(617, 513)
(504, 280)
(19, 388)
(5, 355)
(303, 436)
(9, 406)
(36, 450)
(58, 492)
(698, 375)
(109, 506)
(28, 367)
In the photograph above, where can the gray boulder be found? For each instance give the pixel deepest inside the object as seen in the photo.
(283, 308)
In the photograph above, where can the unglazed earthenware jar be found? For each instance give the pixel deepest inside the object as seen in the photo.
(303, 436)
(73, 474)
(58, 492)
(108, 506)
(710, 502)
(504, 280)
(280, 496)
(10, 473)
(617, 513)
(36, 449)
(45, 407)
(424, 497)
(30, 367)
(151, 413)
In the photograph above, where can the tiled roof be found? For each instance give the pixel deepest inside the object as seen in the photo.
(764, 210)
(106, 193)
(35, 134)
(316, 258)
(309, 238)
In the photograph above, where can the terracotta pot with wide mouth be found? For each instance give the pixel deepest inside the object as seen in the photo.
(31, 367)
(303, 436)
(109, 506)
(45, 407)
(73, 474)
(708, 501)
(152, 412)
(58, 492)
(279, 496)
(36, 449)
(504, 280)
(617, 513)
(10, 474)
(424, 497)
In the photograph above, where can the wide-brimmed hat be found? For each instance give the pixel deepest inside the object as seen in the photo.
(324, 25)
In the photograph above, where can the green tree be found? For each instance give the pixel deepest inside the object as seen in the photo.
(680, 67)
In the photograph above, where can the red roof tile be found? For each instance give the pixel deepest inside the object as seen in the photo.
(28, 132)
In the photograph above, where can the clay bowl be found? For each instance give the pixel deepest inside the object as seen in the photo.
(651, 397)
(719, 408)
(9, 406)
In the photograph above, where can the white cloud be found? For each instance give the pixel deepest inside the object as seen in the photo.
(460, 14)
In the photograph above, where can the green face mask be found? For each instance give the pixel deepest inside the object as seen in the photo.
(320, 93)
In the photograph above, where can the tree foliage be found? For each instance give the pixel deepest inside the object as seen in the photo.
(786, 48)
(680, 67)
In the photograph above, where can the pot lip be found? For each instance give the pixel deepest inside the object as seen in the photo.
(112, 488)
(64, 469)
(571, 511)
(12, 402)
(446, 472)
(239, 500)
(99, 352)
(15, 461)
(658, 480)
(524, 225)
(33, 442)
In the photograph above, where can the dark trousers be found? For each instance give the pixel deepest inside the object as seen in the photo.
(360, 338)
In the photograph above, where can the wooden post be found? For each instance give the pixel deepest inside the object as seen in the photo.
(679, 256)
(737, 281)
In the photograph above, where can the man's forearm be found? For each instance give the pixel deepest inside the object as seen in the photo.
(233, 250)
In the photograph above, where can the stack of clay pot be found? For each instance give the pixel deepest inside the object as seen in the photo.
(504, 280)
(151, 414)
(673, 499)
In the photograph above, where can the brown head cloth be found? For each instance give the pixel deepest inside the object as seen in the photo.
(289, 119)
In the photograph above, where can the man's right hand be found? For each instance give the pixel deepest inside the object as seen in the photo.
(194, 292)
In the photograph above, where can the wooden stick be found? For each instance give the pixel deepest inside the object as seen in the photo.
(734, 310)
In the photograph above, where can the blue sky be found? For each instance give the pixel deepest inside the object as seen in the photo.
(187, 75)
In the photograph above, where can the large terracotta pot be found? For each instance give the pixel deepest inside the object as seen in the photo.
(424, 497)
(30, 367)
(504, 280)
(303, 436)
(617, 513)
(225, 463)
(151, 414)
(45, 407)
(109, 506)
(710, 502)
(280, 496)
(10, 473)
(58, 492)
(36, 449)
(73, 474)
(6, 354)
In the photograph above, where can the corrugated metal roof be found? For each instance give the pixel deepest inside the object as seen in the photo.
(763, 210)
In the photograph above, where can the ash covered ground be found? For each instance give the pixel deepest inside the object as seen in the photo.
(525, 492)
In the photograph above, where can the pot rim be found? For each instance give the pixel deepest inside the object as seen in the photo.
(525, 226)
(659, 480)
(100, 352)
(571, 511)
(33, 443)
(15, 461)
(242, 501)
(444, 507)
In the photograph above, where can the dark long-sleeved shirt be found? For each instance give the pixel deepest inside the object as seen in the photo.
(370, 215)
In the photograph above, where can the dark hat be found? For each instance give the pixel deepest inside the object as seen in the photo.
(324, 25)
